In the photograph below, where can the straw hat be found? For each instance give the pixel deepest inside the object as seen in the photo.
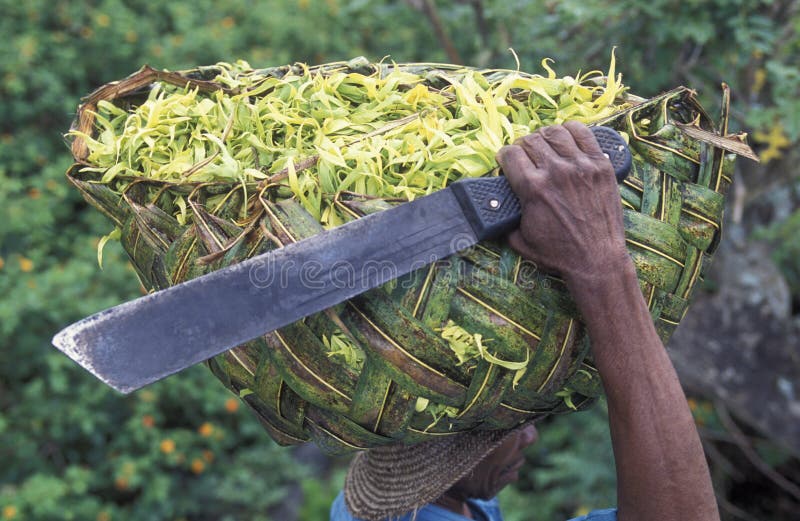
(392, 480)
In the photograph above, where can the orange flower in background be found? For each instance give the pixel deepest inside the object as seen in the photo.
(231, 405)
(148, 421)
(9, 512)
(34, 193)
(25, 264)
(206, 430)
(198, 466)
(103, 516)
(2, 263)
(208, 456)
(167, 446)
(228, 22)
(121, 483)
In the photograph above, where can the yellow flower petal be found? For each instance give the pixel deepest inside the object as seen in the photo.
(25, 264)
(167, 446)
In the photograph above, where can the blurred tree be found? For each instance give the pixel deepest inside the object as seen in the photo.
(183, 449)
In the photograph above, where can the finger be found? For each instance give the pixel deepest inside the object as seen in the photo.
(584, 138)
(520, 245)
(561, 141)
(538, 149)
(520, 172)
(527, 252)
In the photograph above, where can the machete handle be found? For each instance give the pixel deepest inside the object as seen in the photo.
(493, 209)
(615, 149)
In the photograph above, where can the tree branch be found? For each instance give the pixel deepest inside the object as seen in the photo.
(480, 22)
(744, 445)
(429, 8)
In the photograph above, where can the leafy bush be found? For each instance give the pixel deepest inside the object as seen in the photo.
(71, 449)
(786, 251)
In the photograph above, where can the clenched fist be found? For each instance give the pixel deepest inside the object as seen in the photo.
(571, 212)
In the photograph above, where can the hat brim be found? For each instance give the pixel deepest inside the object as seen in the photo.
(393, 480)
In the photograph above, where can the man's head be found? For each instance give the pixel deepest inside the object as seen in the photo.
(498, 469)
(393, 480)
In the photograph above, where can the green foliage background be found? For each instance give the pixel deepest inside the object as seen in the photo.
(182, 449)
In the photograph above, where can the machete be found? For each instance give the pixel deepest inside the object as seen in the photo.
(141, 341)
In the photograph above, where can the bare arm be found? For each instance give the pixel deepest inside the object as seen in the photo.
(572, 223)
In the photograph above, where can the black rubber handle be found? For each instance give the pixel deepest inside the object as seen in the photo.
(615, 148)
(493, 209)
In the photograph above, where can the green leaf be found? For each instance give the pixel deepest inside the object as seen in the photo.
(115, 235)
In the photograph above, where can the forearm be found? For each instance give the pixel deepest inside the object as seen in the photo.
(572, 223)
(661, 469)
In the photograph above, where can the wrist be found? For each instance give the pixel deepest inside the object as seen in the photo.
(603, 273)
(602, 295)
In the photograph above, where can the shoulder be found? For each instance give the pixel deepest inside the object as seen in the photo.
(339, 510)
(490, 508)
(607, 514)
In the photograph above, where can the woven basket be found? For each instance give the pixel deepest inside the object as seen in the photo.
(673, 203)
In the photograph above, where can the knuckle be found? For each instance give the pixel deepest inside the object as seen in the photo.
(506, 153)
(586, 165)
(601, 167)
(555, 132)
(550, 130)
(503, 150)
(575, 125)
(525, 141)
(560, 165)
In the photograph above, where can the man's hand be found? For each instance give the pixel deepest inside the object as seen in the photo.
(571, 216)
(572, 223)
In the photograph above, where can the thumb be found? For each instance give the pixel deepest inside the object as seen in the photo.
(521, 246)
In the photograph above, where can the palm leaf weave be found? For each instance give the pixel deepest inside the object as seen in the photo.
(673, 203)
